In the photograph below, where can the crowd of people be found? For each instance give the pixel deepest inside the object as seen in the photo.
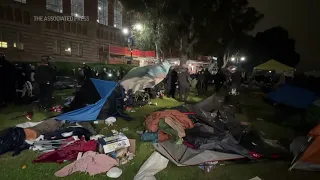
(179, 80)
(104, 74)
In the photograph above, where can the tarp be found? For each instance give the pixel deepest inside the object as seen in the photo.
(274, 65)
(140, 78)
(182, 155)
(293, 96)
(91, 112)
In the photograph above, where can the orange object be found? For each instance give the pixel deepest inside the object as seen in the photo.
(152, 122)
(310, 156)
(30, 134)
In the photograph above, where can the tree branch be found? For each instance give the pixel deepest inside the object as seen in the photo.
(190, 45)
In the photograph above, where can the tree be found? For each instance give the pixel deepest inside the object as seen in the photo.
(198, 27)
(275, 43)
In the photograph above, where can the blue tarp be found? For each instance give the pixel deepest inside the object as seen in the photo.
(293, 96)
(91, 112)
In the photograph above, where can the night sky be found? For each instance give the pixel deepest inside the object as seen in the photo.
(301, 19)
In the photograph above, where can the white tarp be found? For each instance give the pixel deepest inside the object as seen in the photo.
(154, 164)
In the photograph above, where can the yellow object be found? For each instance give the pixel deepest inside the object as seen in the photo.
(274, 65)
(24, 166)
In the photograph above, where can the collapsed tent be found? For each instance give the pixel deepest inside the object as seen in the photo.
(307, 151)
(141, 78)
(96, 99)
(293, 96)
(217, 136)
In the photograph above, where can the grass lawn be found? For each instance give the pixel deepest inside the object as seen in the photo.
(11, 167)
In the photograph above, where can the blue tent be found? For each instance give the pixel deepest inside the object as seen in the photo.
(293, 96)
(90, 100)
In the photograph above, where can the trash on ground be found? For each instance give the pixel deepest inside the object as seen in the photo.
(154, 164)
(124, 129)
(259, 119)
(114, 172)
(255, 178)
(208, 166)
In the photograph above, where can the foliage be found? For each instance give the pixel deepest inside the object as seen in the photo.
(275, 43)
(198, 27)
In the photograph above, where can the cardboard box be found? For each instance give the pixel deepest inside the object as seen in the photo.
(115, 142)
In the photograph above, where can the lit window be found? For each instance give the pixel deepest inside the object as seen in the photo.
(77, 8)
(22, 1)
(3, 44)
(118, 15)
(103, 12)
(67, 48)
(18, 44)
(54, 5)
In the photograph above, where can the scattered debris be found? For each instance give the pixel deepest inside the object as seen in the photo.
(114, 172)
(255, 178)
(208, 166)
(154, 164)
(124, 129)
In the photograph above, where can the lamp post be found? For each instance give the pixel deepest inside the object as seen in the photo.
(129, 39)
(238, 60)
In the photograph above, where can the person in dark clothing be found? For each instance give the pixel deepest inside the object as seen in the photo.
(103, 75)
(172, 83)
(45, 77)
(219, 79)
(183, 82)
(87, 72)
(200, 82)
(207, 76)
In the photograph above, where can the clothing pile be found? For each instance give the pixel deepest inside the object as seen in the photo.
(60, 142)
(166, 125)
(205, 132)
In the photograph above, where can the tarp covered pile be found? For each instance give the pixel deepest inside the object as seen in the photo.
(207, 131)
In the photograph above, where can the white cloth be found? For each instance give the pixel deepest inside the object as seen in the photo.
(154, 164)
(28, 124)
(32, 77)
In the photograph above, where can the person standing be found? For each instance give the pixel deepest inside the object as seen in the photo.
(207, 78)
(103, 74)
(200, 82)
(183, 82)
(172, 83)
(45, 77)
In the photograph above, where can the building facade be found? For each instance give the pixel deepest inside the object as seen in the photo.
(30, 29)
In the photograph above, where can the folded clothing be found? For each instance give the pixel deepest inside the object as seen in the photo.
(69, 152)
(91, 162)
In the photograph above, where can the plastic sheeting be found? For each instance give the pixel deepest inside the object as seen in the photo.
(145, 77)
(154, 164)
